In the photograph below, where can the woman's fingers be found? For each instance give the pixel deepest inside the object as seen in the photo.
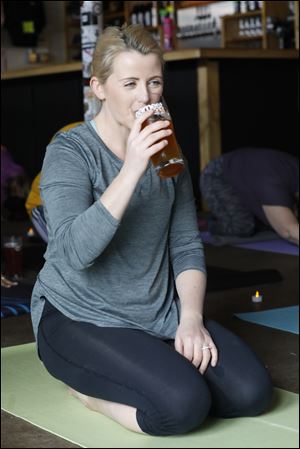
(157, 147)
(188, 349)
(137, 125)
(178, 345)
(154, 127)
(214, 355)
(206, 355)
(156, 137)
(198, 355)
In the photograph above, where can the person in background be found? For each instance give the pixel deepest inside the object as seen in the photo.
(34, 205)
(251, 188)
(14, 187)
(117, 309)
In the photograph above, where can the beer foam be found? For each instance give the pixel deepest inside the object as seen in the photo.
(156, 107)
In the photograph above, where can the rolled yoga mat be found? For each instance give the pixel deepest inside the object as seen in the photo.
(15, 300)
(30, 393)
(219, 278)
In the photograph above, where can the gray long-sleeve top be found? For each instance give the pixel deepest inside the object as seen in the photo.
(103, 271)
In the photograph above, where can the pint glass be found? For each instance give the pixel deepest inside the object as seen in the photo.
(13, 257)
(167, 162)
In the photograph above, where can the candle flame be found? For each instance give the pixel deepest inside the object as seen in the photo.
(257, 294)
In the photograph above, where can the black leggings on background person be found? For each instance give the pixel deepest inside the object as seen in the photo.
(132, 367)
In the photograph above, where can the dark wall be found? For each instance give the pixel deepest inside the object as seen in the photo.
(33, 109)
(180, 92)
(260, 104)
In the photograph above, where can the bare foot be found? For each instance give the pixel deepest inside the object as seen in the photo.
(121, 413)
(87, 401)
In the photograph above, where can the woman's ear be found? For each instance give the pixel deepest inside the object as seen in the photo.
(97, 88)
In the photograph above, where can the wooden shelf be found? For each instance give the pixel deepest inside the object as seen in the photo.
(171, 56)
(41, 70)
(71, 22)
(232, 26)
(244, 39)
(230, 53)
(244, 15)
(107, 16)
(191, 4)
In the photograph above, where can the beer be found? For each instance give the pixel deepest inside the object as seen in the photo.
(13, 257)
(168, 162)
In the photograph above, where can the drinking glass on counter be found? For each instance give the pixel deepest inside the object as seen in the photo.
(13, 257)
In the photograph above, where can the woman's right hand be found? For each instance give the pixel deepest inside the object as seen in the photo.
(144, 143)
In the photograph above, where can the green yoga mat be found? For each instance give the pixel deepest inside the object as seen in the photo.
(30, 393)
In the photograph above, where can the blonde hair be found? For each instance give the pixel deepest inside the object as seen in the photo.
(115, 40)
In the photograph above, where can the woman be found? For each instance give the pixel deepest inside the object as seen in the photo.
(104, 309)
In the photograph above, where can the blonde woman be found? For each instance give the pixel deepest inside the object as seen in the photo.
(117, 309)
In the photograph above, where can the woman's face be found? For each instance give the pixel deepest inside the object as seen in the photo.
(136, 81)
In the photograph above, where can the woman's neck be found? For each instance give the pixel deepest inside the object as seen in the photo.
(113, 134)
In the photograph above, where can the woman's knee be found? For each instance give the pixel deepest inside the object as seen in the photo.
(255, 397)
(250, 397)
(240, 384)
(185, 410)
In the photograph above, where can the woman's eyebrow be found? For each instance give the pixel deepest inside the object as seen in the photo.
(136, 79)
(129, 78)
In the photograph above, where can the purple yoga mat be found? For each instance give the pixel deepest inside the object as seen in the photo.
(206, 237)
(273, 246)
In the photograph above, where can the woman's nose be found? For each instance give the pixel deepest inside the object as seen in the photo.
(143, 95)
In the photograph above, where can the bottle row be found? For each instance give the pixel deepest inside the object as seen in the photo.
(242, 7)
(145, 15)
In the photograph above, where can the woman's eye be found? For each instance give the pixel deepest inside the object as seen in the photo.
(155, 83)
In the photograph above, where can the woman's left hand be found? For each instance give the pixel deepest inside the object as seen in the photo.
(194, 342)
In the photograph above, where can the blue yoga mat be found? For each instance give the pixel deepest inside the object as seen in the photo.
(15, 300)
(273, 246)
(283, 318)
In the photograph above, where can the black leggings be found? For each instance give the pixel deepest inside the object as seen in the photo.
(132, 367)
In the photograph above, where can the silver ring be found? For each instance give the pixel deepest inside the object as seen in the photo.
(205, 347)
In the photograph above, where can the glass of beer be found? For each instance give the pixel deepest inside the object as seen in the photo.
(167, 162)
(13, 257)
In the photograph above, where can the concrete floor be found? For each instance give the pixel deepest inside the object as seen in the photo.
(279, 350)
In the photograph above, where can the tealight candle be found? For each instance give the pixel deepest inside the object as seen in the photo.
(257, 297)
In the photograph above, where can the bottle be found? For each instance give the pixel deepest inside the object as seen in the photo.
(237, 7)
(134, 16)
(147, 16)
(32, 56)
(168, 31)
(140, 15)
(167, 25)
(154, 16)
